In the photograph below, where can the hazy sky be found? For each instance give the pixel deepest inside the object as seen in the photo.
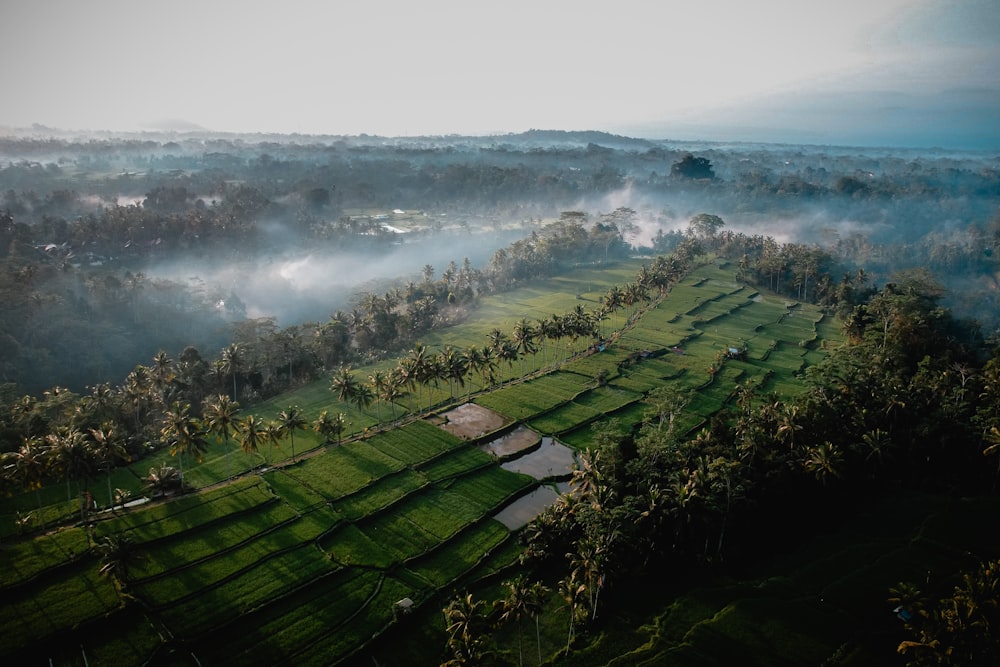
(828, 72)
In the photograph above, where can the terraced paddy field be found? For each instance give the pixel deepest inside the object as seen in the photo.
(313, 561)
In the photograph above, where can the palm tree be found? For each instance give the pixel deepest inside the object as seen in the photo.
(823, 461)
(466, 626)
(75, 459)
(232, 362)
(220, 420)
(590, 560)
(163, 479)
(571, 589)
(330, 427)
(612, 301)
(555, 328)
(579, 324)
(291, 420)
(117, 554)
(472, 356)
(452, 367)
(509, 354)
(394, 390)
(29, 465)
(184, 433)
(271, 436)
(515, 606)
(633, 294)
(534, 603)
(487, 366)
(136, 391)
(420, 368)
(587, 476)
(161, 373)
(498, 343)
(406, 374)
(251, 431)
(377, 381)
(344, 384)
(109, 447)
(523, 336)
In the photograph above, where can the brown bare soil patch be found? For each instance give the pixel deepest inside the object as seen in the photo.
(471, 421)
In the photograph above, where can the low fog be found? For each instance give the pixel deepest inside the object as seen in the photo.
(297, 286)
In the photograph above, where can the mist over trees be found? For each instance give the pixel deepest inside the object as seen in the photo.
(114, 248)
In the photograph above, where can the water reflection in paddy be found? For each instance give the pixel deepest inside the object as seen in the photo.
(551, 459)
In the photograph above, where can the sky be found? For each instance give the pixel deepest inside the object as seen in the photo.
(858, 72)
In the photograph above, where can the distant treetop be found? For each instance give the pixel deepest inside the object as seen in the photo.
(693, 167)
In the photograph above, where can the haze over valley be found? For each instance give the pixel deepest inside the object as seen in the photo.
(163, 241)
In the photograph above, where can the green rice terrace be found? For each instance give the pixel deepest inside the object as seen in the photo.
(312, 556)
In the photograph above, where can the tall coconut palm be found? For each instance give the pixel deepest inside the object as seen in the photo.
(487, 366)
(377, 381)
(508, 352)
(73, 456)
(393, 390)
(571, 589)
(534, 603)
(118, 553)
(580, 324)
(29, 465)
(232, 363)
(523, 336)
(184, 433)
(331, 427)
(406, 373)
(452, 368)
(363, 397)
(251, 433)
(633, 294)
(162, 479)
(499, 344)
(292, 420)
(162, 373)
(467, 625)
(109, 448)
(137, 391)
(344, 384)
(612, 301)
(272, 437)
(515, 606)
(220, 416)
(472, 356)
(421, 364)
(823, 461)
(555, 329)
